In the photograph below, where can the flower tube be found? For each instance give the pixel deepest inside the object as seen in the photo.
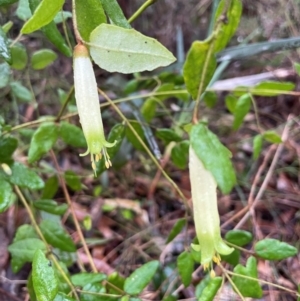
(206, 215)
(87, 100)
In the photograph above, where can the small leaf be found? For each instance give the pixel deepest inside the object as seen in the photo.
(89, 14)
(51, 187)
(93, 288)
(180, 154)
(210, 98)
(167, 135)
(7, 2)
(19, 57)
(272, 88)
(42, 141)
(131, 136)
(23, 11)
(116, 49)
(148, 108)
(239, 237)
(23, 251)
(44, 280)
(247, 287)
(185, 265)
(4, 75)
(24, 177)
(242, 108)
(83, 279)
(63, 297)
(43, 15)
(176, 229)
(20, 91)
(115, 13)
(199, 67)
(214, 156)
(4, 47)
(272, 137)
(23, 232)
(228, 27)
(231, 102)
(5, 195)
(72, 135)
(233, 258)
(7, 147)
(140, 278)
(72, 180)
(42, 58)
(210, 290)
(273, 249)
(56, 235)
(257, 146)
(51, 206)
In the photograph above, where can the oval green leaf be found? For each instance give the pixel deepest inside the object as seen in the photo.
(273, 249)
(19, 57)
(117, 49)
(44, 280)
(4, 75)
(42, 58)
(56, 235)
(83, 279)
(5, 195)
(239, 237)
(21, 92)
(51, 206)
(176, 229)
(185, 265)
(43, 15)
(4, 47)
(140, 278)
(72, 135)
(210, 290)
(42, 141)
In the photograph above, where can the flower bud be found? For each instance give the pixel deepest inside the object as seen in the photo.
(206, 215)
(87, 100)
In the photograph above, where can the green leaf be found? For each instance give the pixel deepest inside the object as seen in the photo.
(176, 229)
(23, 11)
(72, 180)
(25, 177)
(44, 280)
(82, 279)
(89, 14)
(5, 195)
(214, 156)
(273, 249)
(20, 91)
(62, 16)
(50, 206)
(7, 2)
(51, 187)
(117, 133)
(185, 265)
(228, 27)
(25, 231)
(210, 98)
(23, 251)
(56, 235)
(7, 147)
(199, 67)
(117, 49)
(115, 13)
(209, 291)
(148, 108)
(233, 258)
(63, 297)
(4, 46)
(247, 287)
(272, 137)
(231, 102)
(239, 237)
(180, 154)
(4, 75)
(140, 278)
(257, 146)
(19, 57)
(167, 135)
(42, 58)
(242, 107)
(72, 135)
(42, 141)
(271, 88)
(131, 136)
(93, 288)
(43, 15)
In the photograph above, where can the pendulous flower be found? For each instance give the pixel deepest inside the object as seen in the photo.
(206, 215)
(87, 100)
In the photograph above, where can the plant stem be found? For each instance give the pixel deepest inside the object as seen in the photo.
(141, 9)
(68, 98)
(76, 223)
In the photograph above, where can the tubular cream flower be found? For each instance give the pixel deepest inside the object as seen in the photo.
(87, 101)
(206, 215)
